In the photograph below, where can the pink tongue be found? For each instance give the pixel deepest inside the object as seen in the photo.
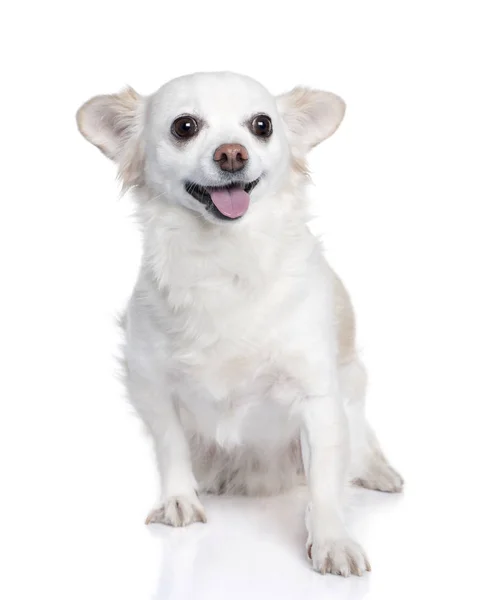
(232, 202)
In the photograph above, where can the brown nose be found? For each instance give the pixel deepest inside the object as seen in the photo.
(231, 157)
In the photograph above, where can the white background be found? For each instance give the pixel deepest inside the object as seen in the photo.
(405, 196)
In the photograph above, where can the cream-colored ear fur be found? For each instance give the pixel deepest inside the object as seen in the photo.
(311, 116)
(113, 123)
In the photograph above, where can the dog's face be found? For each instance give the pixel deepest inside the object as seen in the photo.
(214, 143)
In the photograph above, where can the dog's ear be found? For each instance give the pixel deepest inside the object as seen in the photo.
(311, 116)
(114, 123)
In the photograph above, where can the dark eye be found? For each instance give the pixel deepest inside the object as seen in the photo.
(184, 127)
(262, 126)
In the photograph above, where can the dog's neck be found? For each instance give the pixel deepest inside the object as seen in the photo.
(184, 253)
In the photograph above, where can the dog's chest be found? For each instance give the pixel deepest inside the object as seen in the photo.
(226, 355)
(238, 382)
(234, 324)
(215, 318)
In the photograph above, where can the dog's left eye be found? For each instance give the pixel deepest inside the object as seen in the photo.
(262, 126)
(184, 127)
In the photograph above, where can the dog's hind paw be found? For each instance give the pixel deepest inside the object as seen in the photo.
(178, 511)
(380, 476)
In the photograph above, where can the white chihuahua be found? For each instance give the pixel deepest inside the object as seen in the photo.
(240, 344)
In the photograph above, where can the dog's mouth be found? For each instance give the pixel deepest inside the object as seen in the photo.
(225, 202)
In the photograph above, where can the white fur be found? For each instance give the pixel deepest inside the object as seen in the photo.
(233, 355)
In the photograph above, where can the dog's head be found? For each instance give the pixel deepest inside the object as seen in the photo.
(211, 142)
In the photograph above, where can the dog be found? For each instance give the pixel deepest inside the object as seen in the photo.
(239, 352)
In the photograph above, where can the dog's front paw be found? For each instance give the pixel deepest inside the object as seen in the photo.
(338, 556)
(178, 511)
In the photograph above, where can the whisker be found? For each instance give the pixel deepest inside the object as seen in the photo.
(157, 197)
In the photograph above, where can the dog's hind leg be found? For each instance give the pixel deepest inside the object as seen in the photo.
(369, 466)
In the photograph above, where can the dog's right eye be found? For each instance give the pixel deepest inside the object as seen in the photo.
(184, 127)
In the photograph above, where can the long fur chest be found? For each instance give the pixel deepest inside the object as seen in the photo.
(226, 335)
(224, 299)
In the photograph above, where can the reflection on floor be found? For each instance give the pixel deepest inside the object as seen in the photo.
(255, 548)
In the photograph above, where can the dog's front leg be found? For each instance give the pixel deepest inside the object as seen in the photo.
(325, 450)
(178, 503)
